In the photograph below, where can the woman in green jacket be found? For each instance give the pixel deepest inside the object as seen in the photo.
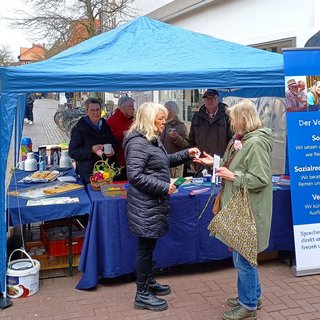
(249, 156)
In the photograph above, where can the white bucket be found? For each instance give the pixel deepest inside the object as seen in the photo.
(22, 276)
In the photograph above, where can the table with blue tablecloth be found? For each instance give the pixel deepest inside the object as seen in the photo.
(110, 249)
(19, 213)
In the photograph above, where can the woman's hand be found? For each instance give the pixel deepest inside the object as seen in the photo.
(97, 149)
(205, 160)
(173, 135)
(193, 152)
(172, 188)
(225, 173)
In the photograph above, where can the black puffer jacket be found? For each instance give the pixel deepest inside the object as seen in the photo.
(149, 179)
(83, 137)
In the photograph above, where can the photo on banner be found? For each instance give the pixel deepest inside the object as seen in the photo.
(302, 77)
(302, 93)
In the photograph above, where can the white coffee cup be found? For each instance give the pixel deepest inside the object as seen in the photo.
(20, 165)
(107, 148)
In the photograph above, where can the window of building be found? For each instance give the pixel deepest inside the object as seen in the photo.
(276, 45)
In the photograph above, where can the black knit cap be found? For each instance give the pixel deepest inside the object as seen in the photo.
(210, 92)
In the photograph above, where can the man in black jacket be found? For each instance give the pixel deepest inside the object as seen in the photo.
(210, 127)
(87, 139)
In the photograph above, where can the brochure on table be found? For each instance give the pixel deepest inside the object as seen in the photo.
(303, 143)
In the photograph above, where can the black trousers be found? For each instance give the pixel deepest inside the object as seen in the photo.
(29, 112)
(144, 263)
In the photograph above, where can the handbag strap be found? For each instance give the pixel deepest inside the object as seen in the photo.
(245, 193)
(227, 162)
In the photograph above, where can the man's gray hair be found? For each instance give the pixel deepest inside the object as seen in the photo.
(172, 106)
(124, 101)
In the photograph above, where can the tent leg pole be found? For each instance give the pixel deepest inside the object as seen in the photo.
(4, 302)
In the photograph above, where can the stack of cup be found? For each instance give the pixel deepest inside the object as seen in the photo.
(26, 146)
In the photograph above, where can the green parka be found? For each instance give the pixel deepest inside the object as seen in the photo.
(254, 161)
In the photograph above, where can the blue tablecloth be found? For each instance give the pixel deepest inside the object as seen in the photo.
(18, 207)
(110, 249)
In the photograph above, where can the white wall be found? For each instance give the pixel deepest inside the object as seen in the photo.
(248, 21)
(146, 6)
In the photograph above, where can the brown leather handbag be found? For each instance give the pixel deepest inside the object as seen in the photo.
(217, 202)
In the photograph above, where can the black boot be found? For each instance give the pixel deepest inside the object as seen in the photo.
(157, 288)
(145, 299)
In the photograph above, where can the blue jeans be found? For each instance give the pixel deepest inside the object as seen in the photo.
(249, 290)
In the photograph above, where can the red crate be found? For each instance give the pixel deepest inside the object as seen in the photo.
(61, 247)
(50, 262)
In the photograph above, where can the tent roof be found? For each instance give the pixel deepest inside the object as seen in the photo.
(146, 54)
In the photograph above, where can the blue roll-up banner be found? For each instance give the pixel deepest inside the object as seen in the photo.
(302, 77)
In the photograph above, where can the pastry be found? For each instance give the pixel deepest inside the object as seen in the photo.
(62, 188)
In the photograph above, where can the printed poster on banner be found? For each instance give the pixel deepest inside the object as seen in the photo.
(303, 146)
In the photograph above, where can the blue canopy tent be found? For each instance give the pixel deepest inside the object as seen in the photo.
(143, 54)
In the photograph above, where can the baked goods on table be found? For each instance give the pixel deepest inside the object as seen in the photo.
(45, 190)
(44, 176)
(49, 175)
(62, 188)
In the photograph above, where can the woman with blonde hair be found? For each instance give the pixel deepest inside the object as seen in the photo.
(313, 97)
(148, 196)
(247, 160)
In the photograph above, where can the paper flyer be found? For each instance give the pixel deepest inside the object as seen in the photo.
(216, 164)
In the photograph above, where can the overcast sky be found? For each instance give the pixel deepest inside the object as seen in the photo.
(13, 38)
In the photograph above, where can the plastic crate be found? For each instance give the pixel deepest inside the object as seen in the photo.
(50, 262)
(61, 247)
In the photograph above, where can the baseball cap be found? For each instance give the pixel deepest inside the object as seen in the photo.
(210, 92)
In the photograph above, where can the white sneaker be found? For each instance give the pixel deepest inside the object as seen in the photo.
(25, 120)
(30, 122)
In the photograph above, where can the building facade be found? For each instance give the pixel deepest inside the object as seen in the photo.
(269, 25)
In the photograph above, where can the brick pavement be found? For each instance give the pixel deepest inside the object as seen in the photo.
(199, 292)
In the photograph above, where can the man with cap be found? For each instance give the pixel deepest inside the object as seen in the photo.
(293, 103)
(210, 127)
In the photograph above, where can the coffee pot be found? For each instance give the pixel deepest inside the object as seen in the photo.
(30, 164)
(55, 156)
(65, 161)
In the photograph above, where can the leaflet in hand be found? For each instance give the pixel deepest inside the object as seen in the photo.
(216, 164)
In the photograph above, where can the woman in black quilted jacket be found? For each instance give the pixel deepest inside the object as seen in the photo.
(148, 195)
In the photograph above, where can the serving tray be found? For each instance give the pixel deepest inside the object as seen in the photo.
(48, 190)
(40, 177)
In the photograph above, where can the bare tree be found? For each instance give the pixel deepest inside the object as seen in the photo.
(64, 23)
(6, 58)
